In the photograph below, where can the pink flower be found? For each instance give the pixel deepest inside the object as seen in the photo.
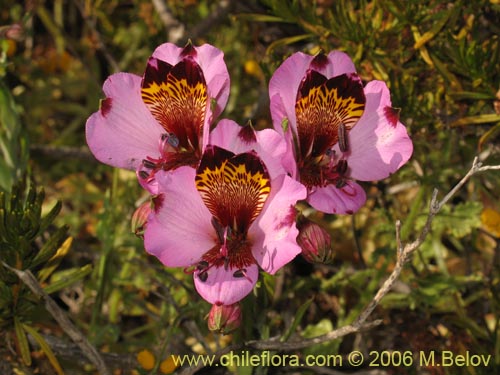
(160, 121)
(230, 216)
(337, 131)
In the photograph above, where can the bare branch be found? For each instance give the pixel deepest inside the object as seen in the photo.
(60, 316)
(175, 29)
(404, 253)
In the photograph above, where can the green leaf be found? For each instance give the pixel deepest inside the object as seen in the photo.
(12, 146)
(50, 247)
(22, 342)
(45, 348)
(68, 277)
(296, 320)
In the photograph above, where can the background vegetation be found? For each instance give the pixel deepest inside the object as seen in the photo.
(68, 220)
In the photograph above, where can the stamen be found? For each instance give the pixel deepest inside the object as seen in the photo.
(343, 140)
(342, 167)
(173, 140)
(203, 276)
(202, 265)
(143, 175)
(219, 229)
(148, 164)
(242, 272)
(340, 183)
(239, 273)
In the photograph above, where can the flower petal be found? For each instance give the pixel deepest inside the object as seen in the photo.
(274, 232)
(283, 88)
(221, 287)
(332, 200)
(179, 231)
(123, 132)
(233, 187)
(211, 61)
(339, 63)
(267, 143)
(379, 144)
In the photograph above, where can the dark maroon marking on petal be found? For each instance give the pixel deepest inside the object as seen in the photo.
(156, 71)
(158, 202)
(349, 212)
(247, 134)
(189, 69)
(213, 157)
(189, 50)
(233, 187)
(392, 115)
(288, 220)
(348, 85)
(311, 79)
(106, 106)
(319, 61)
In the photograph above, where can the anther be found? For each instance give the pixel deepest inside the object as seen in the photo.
(340, 183)
(148, 164)
(203, 276)
(202, 265)
(343, 141)
(342, 167)
(239, 273)
(173, 140)
(143, 174)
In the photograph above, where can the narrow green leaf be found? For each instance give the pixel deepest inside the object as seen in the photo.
(473, 120)
(45, 348)
(50, 247)
(287, 41)
(256, 17)
(296, 320)
(68, 278)
(22, 342)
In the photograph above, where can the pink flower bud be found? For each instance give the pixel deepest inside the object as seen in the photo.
(140, 217)
(13, 32)
(315, 243)
(224, 318)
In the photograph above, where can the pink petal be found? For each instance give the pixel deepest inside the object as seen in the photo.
(123, 132)
(211, 61)
(274, 232)
(221, 287)
(339, 63)
(331, 200)
(379, 144)
(267, 143)
(283, 88)
(179, 230)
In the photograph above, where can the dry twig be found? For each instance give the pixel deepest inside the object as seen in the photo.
(62, 319)
(404, 253)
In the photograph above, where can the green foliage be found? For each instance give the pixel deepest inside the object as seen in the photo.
(13, 147)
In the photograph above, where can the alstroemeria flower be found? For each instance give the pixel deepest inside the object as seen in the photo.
(226, 219)
(160, 121)
(337, 130)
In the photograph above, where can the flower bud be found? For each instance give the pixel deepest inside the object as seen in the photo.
(140, 217)
(12, 32)
(315, 243)
(224, 318)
